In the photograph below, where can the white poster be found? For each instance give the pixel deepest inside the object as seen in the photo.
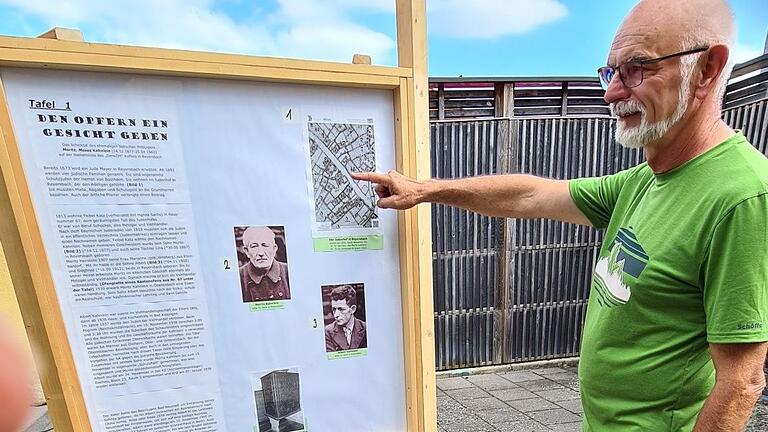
(210, 271)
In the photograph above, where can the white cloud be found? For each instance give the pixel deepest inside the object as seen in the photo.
(298, 28)
(487, 19)
(317, 29)
(335, 42)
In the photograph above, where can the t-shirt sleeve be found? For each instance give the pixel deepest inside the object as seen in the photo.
(735, 272)
(596, 196)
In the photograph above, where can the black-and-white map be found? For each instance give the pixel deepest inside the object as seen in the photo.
(336, 150)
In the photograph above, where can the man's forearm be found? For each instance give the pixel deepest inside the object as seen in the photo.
(511, 195)
(727, 408)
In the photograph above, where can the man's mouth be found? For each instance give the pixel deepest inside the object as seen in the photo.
(624, 116)
(626, 110)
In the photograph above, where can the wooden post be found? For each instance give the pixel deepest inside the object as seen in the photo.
(441, 101)
(504, 100)
(361, 59)
(416, 242)
(564, 102)
(65, 34)
(498, 99)
(39, 307)
(504, 108)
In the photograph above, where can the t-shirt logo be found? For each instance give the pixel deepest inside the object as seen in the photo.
(626, 256)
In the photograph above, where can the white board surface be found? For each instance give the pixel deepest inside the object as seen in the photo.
(142, 187)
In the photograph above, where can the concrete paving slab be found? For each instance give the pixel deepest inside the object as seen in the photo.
(759, 420)
(482, 404)
(535, 404)
(467, 393)
(453, 383)
(556, 395)
(501, 416)
(566, 427)
(512, 394)
(541, 385)
(520, 376)
(546, 371)
(528, 425)
(491, 382)
(554, 416)
(573, 406)
(39, 420)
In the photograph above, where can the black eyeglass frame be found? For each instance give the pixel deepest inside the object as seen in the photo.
(640, 64)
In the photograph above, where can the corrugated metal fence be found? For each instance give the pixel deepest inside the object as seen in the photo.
(510, 291)
(466, 246)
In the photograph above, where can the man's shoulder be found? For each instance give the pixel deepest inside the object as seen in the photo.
(745, 170)
(639, 173)
(752, 167)
(281, 266)
(330, 328)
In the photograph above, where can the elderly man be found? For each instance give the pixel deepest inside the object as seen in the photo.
(674, 338)
(346, 332)
(263, 278)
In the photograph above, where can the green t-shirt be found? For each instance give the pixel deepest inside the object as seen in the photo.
(684, 263)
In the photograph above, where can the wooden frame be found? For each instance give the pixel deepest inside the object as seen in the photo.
(20, 232)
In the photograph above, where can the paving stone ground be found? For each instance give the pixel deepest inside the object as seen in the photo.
(535, 400)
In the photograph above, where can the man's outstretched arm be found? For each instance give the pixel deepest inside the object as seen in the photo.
(513, 196)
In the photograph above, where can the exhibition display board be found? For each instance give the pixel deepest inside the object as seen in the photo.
(193, 254)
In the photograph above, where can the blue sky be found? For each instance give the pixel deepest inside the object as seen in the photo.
(466, 37)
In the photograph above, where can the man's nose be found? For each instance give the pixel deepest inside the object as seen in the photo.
(616, 90)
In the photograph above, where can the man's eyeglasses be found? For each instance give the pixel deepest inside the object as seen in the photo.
(631, 72)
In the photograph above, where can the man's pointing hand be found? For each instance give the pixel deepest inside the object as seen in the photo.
(395, 190)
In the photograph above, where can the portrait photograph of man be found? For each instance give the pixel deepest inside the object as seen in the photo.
(344, 315)
(263, 263)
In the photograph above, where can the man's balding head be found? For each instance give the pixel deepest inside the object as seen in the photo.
(709, 21)
(664, 27)
(259, 244)
(662, 97)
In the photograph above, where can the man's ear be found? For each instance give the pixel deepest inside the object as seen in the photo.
(715, 61)
(354, 308)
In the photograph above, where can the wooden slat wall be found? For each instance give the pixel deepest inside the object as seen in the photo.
(468, 98)
(752, 120)
(748, 83)
(509, 291)
(550, 266)
(531, 98)
(465, 247)
(461, 101)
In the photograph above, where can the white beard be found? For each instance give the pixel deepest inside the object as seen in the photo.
(646, 133)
